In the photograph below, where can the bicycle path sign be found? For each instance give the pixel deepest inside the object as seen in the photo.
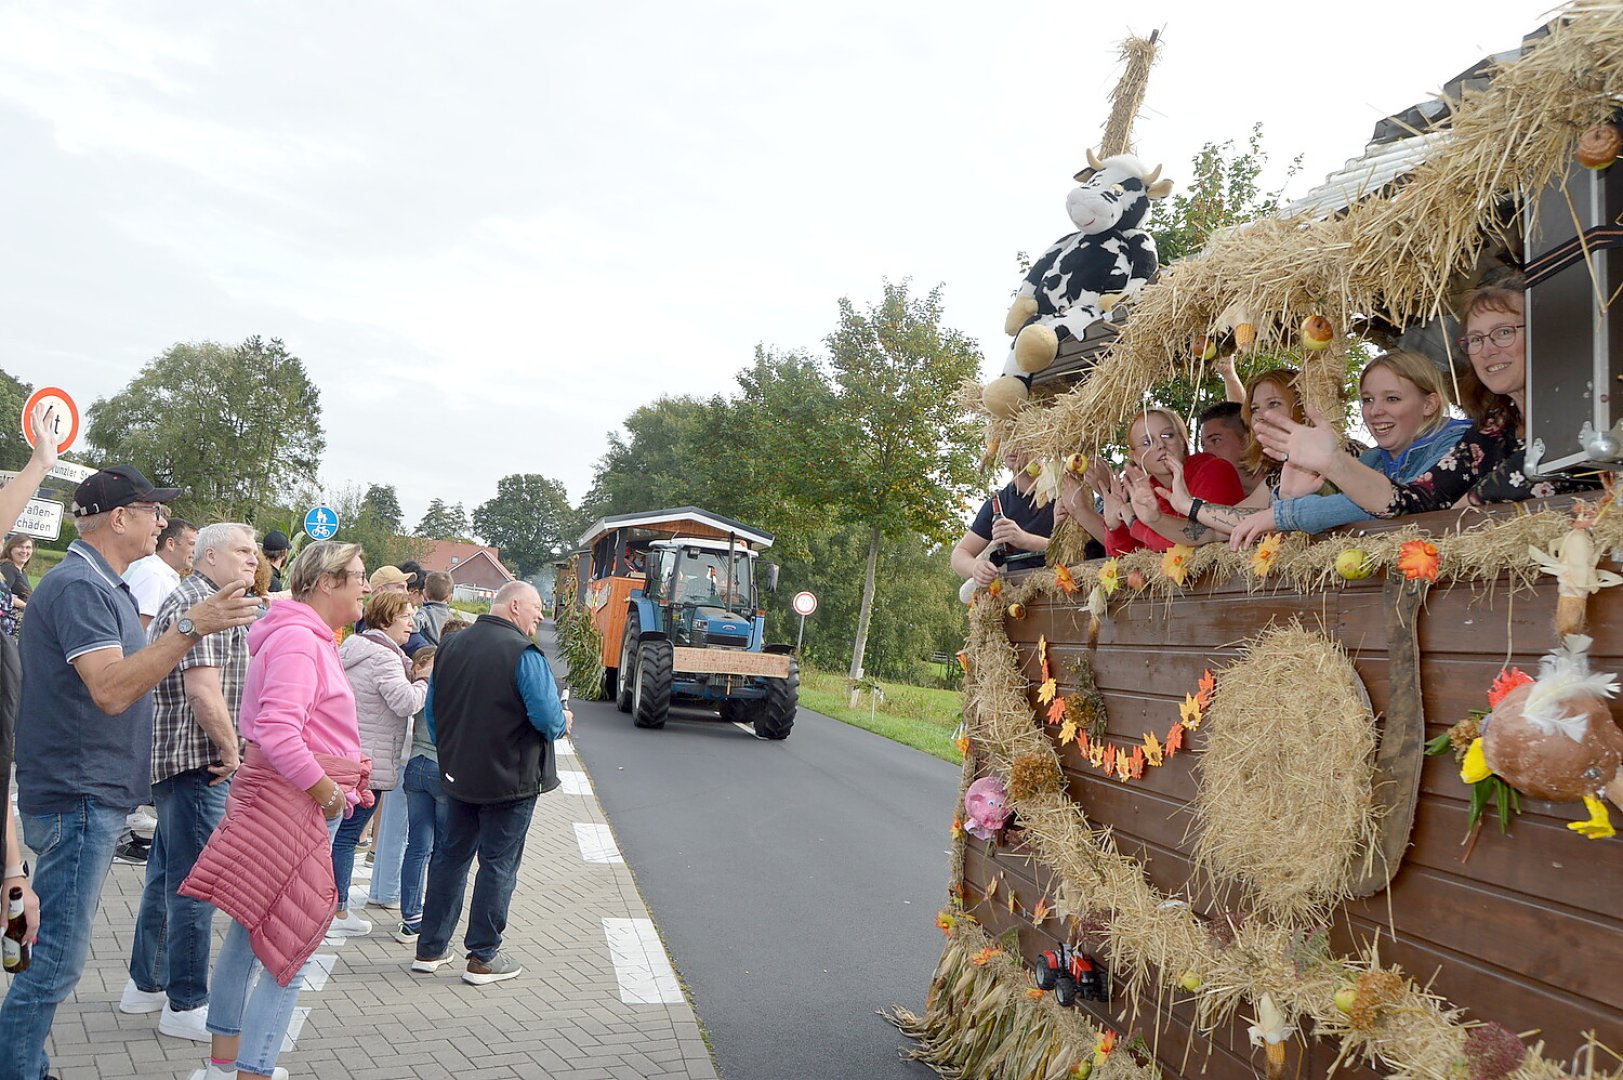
(321, 523)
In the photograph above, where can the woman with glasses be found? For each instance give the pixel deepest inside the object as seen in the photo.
(1487, 464)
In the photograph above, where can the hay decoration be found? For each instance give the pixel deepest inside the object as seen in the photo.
(1033, 775)
(1127, 99)
(1285, 803)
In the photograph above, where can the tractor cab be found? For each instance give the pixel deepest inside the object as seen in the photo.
(707, 592)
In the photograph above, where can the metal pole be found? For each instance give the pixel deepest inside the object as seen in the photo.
(800, 636)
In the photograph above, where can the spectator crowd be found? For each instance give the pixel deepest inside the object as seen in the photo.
(237, 712)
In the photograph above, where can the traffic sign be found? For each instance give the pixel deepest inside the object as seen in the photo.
(41, 519)
(65, 422)
(62, 470)
(321, 523)
(805, 603)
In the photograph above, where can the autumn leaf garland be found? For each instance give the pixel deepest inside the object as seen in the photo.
(1124, 762)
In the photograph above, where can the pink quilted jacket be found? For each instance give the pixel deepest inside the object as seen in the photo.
(269, 863)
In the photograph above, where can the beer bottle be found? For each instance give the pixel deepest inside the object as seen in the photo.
(18, 954)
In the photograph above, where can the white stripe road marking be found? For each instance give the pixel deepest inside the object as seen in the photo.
(597, 843)
(294, 1026)
(564, 747)
(574, 783)
(641, 967)
(319, 971)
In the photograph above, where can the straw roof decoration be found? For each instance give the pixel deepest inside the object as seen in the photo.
(1402, 256)
(1127, 99)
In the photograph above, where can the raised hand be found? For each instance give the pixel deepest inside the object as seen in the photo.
(47, 439)
(1314, 445)
(1145, 504)
(1253, 528)
(1178, 496)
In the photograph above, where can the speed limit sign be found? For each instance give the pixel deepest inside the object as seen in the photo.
(805, 603)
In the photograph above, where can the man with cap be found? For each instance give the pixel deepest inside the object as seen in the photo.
(276, 548)
(84, 732)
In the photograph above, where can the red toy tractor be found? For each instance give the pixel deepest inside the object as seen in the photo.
(1069, 971)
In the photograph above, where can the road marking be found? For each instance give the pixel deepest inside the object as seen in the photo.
(597, 843)
(641, 967)
(319, 971)
(294, 1026)
(748, 729)
(574, 783)
(564, 747)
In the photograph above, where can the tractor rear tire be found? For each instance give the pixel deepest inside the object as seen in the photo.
(775, 714)
(651, 700)
(628, 661)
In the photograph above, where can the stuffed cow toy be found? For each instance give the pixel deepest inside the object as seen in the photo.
(1083, 275)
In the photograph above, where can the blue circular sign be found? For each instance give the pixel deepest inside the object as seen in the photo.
(321, 523)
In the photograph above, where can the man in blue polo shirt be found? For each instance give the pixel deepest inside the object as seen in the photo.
(84, 733)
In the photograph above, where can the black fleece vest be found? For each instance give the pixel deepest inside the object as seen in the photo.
(489, 751)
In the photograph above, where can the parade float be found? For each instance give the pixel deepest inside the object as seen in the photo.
(1342, 804)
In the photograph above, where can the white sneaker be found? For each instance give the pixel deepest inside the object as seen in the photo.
(387, 905)
(136, 1000)
(141, 822)
(349, 924)
(190, 1024)
(213, 1072)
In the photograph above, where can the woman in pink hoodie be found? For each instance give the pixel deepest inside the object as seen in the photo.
(268, 865)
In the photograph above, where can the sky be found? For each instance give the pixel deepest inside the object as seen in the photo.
(507, 225)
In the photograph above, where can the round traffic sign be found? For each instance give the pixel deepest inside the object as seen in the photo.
(65, 422)
(321, 523)
(805, 603)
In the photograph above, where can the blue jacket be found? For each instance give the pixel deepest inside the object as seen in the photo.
(1316, 513)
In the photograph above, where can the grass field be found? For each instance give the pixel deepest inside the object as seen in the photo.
(914, 715)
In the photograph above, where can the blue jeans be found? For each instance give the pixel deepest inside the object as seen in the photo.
(495, 832)
(423, 798)
(75, 850)
(343, 849)
(388, 848)
(174, 934)
(259, 1009)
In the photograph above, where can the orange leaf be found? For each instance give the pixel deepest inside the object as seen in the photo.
(1035, 994)
(1208, 686)
(1041, 912)
(1063, 578)
(1110, 757)
(1056, 711)
(992, 886)
(1175, 739)
(1418, 559)
(1082, 745)
(1138, 763)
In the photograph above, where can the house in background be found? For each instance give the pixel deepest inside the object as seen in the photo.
(477, 570)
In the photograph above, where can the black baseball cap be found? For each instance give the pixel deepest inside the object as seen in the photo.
(118, 486)
(275, 540)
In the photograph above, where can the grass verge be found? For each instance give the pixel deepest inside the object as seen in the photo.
(912, 715)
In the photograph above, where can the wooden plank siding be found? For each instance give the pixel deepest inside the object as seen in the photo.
(1527, 930)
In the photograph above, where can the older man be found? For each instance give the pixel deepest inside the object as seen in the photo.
(153, 578)
(194, 753)
(84, 733)
(494, 712)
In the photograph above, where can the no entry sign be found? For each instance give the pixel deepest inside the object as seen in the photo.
(65, 421)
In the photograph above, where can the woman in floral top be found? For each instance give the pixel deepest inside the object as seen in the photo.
(1487, 464)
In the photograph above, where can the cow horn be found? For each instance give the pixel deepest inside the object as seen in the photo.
(1093, 161)
(1155, 174)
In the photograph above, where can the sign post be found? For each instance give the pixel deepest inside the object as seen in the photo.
(321, 523)
(804, 604)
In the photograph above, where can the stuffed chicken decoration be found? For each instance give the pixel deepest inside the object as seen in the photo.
(1554, 738)
(986, 807)
(1084, 274)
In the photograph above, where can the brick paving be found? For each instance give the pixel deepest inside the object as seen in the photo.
(372, 1019)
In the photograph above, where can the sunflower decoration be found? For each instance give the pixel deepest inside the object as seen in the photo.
(1175, 563)
(1262, 560)
(1418, 560)
(1109, 577)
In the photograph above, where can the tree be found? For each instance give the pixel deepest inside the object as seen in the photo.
(909, 448)
(232, 426)
(14, 449)
(382, 504)
(443, 522)
(529, 519)
(1223, 191)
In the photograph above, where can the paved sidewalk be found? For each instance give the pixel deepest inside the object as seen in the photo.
(597, 999)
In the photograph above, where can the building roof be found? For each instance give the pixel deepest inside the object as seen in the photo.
(447, 555)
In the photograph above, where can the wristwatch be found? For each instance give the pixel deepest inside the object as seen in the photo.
(189, 628)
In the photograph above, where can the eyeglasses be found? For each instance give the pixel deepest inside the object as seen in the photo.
(157, 509)
(1501, 336)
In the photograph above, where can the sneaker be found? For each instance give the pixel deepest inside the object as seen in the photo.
(406, 933)
(387, 905)
(212, 1071)
(141, 822)
(136, 1000)
(190, 1024)
(132, 852)
(496, 969)
(349, 924)
(430, 966)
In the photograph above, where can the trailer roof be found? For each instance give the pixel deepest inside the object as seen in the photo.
(670, 522)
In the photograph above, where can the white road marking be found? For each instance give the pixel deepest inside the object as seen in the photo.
(641, 967)
(319, 971)
(597, 843)
(748, 729)
(294, 1026)
(574, 783)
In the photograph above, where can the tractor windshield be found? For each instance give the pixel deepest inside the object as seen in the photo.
(704, 578)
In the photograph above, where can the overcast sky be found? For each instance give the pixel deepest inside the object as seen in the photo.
(518, 221)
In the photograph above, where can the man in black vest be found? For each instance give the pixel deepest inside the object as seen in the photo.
(493, 712)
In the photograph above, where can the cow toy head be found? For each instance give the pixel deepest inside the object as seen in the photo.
(1114, 194)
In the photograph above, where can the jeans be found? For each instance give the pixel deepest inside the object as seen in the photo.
(495, 832)
(75, 851)
(388, 848)
(174, 934)
(343, 849)
(251, 1003)
(423, 799)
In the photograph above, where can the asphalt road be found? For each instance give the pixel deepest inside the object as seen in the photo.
(796, 883)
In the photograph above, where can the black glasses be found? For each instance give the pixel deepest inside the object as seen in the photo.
(157, 509)
(1501, 336)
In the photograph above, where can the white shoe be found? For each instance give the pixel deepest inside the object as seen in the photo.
(212, 1071)
(191, 1024)
(136, 1000)
(141, 822)
(349, 924)
(387, 905)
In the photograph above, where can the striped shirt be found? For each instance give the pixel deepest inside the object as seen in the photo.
(179, 743)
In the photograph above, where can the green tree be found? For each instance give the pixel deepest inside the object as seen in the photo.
(908, 448)
(382, 503)
(233, 426)
(444, 521)
(529, 519)
(1224, 189)
(14, 394)
(359, 523)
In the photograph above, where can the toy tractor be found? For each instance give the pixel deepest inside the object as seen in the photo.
(1069, 972)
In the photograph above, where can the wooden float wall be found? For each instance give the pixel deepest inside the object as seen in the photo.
(1528, 931)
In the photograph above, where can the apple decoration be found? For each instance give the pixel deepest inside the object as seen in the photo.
(1600, 146)
(1135, 579)
(1354, 565)
(1317, 333)
(1076, 464)
(1017, 611)
(1205, 348)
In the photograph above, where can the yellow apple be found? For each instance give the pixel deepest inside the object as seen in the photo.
(1190, 981)
(1354, 565)
(1205, 348)
(1076, 464)
(1346, 998)
(1017, 611)
(1317, 333)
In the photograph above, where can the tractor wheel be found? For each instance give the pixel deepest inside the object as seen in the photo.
(775, 714)
(628, 662)
(651, 700)
(1065, 990)
(1046, 973)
